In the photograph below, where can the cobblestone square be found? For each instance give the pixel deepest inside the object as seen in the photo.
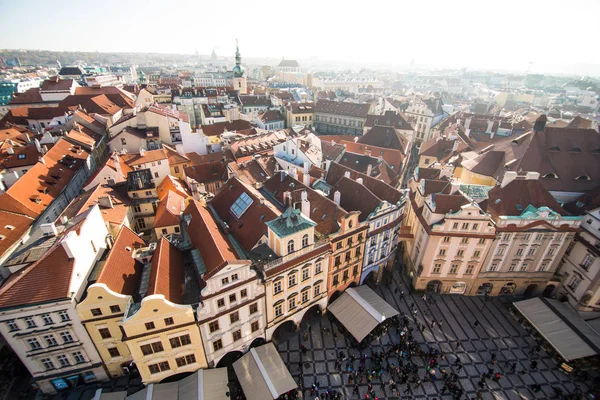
(497, 331)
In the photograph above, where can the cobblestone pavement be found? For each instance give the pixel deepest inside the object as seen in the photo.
(498, 332)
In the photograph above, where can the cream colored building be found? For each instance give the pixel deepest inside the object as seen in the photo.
(451, 236)
(532, 234)
(161, 331)
(296, 281)
(107, 299)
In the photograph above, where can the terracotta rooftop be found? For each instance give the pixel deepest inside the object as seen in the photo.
(446, 203)
(379, 168)
(149, 156)
(169, 210)
(167, 275)
(381, 189)
(30, 96)
(99, 104)
(121, 272)
(221, 127)
(386, 137)
(271, 115)
(588, 202)
(301, 108)
(12, 228)
(355, 197)
(393, 157)
(390, 118)
(172, 184)
(113, 202)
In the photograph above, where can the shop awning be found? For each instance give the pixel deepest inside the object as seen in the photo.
(204, 384)
(564, 329)
(360, 310)
(262, 373)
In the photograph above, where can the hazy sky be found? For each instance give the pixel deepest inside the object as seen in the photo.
(507, 34)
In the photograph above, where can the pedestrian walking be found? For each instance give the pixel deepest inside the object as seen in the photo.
(513, 367)
(533, 365)
(476, 324)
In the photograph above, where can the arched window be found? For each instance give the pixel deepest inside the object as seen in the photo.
(291, 246)
(304, 240)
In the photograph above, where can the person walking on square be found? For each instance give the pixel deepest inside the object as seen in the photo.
(533, 365)
(513, 367)
(476, 324)
(494, 358)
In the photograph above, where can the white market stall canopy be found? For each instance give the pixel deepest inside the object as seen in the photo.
(262, 374)
(360, 310)
(561, 326)
(204, 384)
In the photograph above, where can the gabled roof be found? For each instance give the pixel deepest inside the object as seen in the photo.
(588, 202)
(330, 150)
(113, 202)
(250, 226)
(358, 110)
(379, 188)
(255, 100)
(168, 210)
(149, 156)
(172, 184)
(386, 137)
(220, 127)
(99, 104)
(301, 108)
(379, 168)
(167, 275)
(442, 149)
(580, 122)
(56, 84)
(121, 272)
(30, 96)
(204, 232)
(355, 197)
(446, 203)
(514, 198)
(390, 118)
(207, 172)
(12, 228)
(393, 157)
(271, 115)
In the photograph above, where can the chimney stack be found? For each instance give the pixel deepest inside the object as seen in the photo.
(115, 158)
(509, 176)
(305, 204)
(369, 169)
(347, 174)
(359, 180)
(337, 197)
(532, 176)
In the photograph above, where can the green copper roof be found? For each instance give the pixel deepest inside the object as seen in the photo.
(290, 222)
(476, 192)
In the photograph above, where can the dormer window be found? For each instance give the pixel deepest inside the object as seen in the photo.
(290, 246)
(575, 150)
(583, 178)
(554, 149)
(550, 176)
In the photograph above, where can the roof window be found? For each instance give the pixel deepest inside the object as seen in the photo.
(583, 178)
(241, 205)
(550, 176)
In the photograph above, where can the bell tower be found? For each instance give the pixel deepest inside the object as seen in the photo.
(239, 78)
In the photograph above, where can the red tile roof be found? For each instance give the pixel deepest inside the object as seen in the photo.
(121, 272)
(99, 195)
(99, 104)
(168, 210)
(386, 137)
(56, 84)
(12, 228)
(220, 127)
(393, 157)
(172, 184)
(359, 110)
(167, 275)
(30, 96)
(380, 189)
(207, 172)
(355, 197)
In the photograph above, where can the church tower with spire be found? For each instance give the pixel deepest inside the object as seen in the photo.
(239, 78)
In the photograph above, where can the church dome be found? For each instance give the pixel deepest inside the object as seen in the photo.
(238, 71)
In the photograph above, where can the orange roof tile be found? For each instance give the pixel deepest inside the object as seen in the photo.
(168, 210)
(172, 184)
(12, 228)
(168, 274)
(121, 272)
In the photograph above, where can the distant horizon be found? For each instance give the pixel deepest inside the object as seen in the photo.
(512, 35)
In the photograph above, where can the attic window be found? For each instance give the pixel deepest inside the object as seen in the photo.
(241, 205)
(9, 227)
(583, 178)
(21, 156)
(519, 207)
(554, 148)
(580, 204)
(575, 150)
(550, 176)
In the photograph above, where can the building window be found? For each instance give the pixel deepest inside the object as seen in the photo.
(217, 345)
(220, 303)
(292, 303)
(115, 309)
(34, 344)
(493, 267)
(180, 341)
(475, 227)
(185, 360)
(30, 322)
(290, 246)
(253, 308)
(454, 268)
(291, 280)
(469, 270)
(317, 290)
(232, 298)
(237, 335)
(551, 251)
(243, 293)
(78, 357)
(104, 333)
(481, 241)
(476, 254)
(455, 225)
(520, 252)
(150, 325)
(234, 317)
(442, 252)
(278, 310)
(277, 287)
(66, 337)
(254, 326)
(50, 340)
(305, 240)
(574, 284)
(318, 268)
(47, 363)
(225, 281)
(465, 225)
(160, 367)
(437, 268)
(539, 237)
(63, 360)
(526, 237)
(587, 262)
(155, 347)
(113, 352)
(47, 319)
(169, 321)
(213, 326)
(544, 267)
(305, 274)
(460, 253)
(506, 237)
(500, 251)
(524, 267)
(12, 325)
(96, 312)
(304, 296)
(512, 267)
(464, 240)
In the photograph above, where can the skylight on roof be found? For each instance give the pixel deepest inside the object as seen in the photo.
(241, 205)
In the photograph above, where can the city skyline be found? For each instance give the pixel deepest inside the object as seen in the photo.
(385, 35)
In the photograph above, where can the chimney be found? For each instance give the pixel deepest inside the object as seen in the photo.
(337, 197)
(26, 137)
(540, 123)
(10, 150)
(367, 152)
(287, 199)
(69, 243)
(347, 174)
(468, 123)
(369, 169)
(142, 151)
(105, 202)
(490, 125)
(509, 176)
(455, 145)
(38, 146)
(64, 220)
(532, 176)
(294, 173)
(306, 167)
(305, 204)
(41, 159)
(49, 229)
(359, 180)
(454, 186)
